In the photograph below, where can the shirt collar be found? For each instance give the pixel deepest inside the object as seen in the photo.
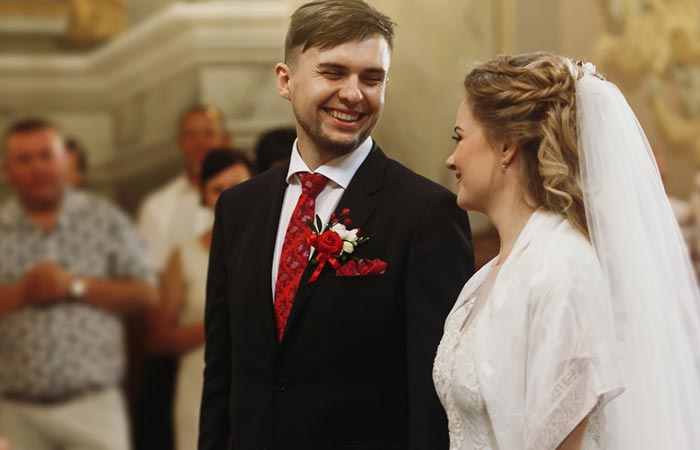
(13, 214)
(339, 170)
(183, 186)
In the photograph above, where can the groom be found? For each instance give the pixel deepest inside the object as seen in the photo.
(306, 349)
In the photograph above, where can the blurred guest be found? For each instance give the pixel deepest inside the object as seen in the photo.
(174, 213)
(273, 148)
(168, 217)
(72, 264)
(76, 163)
(178, 323)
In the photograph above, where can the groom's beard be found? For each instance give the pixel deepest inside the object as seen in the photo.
(324, 142)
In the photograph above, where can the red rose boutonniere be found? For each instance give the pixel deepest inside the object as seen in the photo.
(335, 243)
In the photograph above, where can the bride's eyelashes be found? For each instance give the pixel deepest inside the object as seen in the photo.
(456, 138)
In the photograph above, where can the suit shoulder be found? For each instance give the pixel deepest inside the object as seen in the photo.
(414, 185)
(252, 189)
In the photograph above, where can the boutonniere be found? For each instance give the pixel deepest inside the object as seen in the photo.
(335, 243)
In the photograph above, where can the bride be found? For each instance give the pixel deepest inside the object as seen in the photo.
(583, 333)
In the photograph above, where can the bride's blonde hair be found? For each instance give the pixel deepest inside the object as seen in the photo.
(530, 100)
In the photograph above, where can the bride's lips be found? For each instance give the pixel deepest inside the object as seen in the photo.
(459, 177)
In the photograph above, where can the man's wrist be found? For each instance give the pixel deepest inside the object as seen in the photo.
(77, 289)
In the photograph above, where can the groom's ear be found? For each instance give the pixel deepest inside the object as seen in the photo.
(282, 72)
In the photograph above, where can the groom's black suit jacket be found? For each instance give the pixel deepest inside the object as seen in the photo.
(353, 370)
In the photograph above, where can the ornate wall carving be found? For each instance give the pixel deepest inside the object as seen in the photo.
(74, 22)
(95, 20)
(657, 43)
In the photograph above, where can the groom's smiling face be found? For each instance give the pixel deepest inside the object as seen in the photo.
(337, 94)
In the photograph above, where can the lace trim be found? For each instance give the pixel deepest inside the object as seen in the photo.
(573, 397)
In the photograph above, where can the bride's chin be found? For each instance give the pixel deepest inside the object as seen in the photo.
(464, 204)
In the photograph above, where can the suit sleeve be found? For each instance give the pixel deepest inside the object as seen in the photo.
(441, 260)
(214, 426)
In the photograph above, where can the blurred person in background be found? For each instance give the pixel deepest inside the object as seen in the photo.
(72, 266)
(77, 163)
(273, 148)
(174, 213)
(178, 322)
(168, 217)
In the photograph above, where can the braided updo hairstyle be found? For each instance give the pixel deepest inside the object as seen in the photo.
(530, 100)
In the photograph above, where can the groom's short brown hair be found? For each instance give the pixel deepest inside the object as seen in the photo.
(326, 24)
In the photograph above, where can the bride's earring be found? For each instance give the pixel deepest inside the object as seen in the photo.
(504, 166)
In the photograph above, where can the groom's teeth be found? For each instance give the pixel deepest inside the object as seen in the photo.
(343, 116)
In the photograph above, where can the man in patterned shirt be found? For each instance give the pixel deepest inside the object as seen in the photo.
(71, 264)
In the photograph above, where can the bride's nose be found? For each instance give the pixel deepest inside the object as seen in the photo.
(450, 162)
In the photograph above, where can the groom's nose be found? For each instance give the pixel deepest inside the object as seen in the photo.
(351, 92)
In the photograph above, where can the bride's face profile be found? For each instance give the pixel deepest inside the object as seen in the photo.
(474, 161)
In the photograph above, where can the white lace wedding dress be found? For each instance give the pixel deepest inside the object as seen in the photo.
(457, 385)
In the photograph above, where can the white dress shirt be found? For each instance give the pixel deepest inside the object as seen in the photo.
(339, 173)
(170, 216)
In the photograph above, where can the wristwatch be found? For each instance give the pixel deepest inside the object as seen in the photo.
(77, 289)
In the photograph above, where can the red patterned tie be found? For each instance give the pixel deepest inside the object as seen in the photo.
(296, 249)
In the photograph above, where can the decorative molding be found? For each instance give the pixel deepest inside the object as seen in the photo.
(183, 36)
(77, 22)
(33, 8)
(94, 21)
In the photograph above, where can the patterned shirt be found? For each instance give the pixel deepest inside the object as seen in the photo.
(69, 347)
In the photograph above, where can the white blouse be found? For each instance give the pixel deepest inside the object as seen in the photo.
(537, 359)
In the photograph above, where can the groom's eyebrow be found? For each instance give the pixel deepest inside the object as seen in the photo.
(458, 128)
(376, 72)
(332, 66)
(339, 67)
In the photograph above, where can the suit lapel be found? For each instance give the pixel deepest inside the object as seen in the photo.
(270, 216)
(368, 179)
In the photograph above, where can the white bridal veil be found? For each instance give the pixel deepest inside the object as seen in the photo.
(654, 292)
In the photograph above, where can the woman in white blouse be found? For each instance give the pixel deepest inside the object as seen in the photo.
(591, 295)
(178, 322)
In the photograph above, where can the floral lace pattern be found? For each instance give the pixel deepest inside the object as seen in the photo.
(457, 385)
(570, 396)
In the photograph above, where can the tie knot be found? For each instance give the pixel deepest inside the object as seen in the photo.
(312, 183)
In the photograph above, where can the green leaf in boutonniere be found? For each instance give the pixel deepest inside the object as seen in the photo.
(311, 225)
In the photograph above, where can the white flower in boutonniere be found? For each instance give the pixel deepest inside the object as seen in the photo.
(348, 247)
(348, 236)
